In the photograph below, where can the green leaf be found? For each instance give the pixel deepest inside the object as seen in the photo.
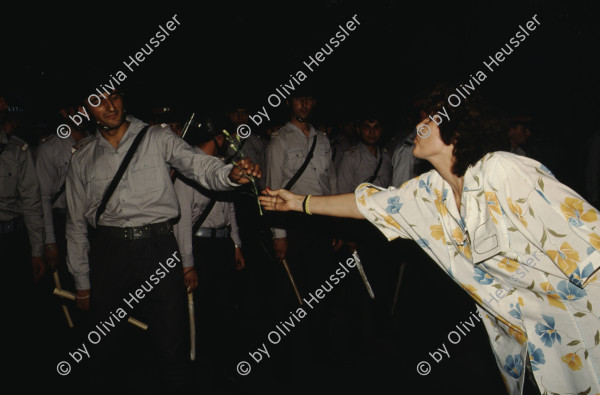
(589, 306)
(579, 314)
(539, 171)
(528, 249)
(497, 286)
(531, 286)
(555, 234)
(597, 337)
(538, 295)
(425, 200)
(480, 193)
(476, 179)
(513, 229)
(585, 354)
(585, 392)
(531, 212)
(522, 200)
(510, 292)
(541, 184)
(574, 343)
(544, 237)
(497, 337)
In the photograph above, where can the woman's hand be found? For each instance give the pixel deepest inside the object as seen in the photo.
(281, 200)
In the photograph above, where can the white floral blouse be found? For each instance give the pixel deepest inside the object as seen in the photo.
(526, 248)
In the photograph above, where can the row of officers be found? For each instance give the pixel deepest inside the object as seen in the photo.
(111, 204)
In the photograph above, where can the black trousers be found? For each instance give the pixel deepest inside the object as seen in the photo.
(118, 269)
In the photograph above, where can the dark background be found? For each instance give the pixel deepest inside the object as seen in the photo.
(247, 49)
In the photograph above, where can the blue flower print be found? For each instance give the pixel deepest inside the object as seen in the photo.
(544, 168)
(542, 195)
(548, 335)
(569, 291)
(515, 311)
(536, 356)
(427, 185)
(514, 365)
(394, 205)
(482, 277)
(578, 277)
(423, 243)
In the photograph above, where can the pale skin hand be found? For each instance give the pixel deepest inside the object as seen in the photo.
(343, 206)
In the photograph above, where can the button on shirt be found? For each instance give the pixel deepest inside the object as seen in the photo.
(19, 190)
(51, 165)
(285, 154)
(358, 165)
(144, 195)
(192, 204)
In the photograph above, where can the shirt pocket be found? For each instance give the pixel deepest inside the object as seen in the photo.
(323, 158)
(295, 159)
(8, 178)
(148, 174)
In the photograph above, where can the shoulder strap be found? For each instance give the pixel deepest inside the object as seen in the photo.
(2, 146)
(203, 216)
(119, 174)
(374, 176)
(57, 194)
(296, 176)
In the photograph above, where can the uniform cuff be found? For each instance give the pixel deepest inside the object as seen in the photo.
(279, 233)
(82, 281)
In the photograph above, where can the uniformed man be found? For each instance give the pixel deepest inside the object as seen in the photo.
(134, 262)
(305, 242)
(366, 161)
(52, 161)
(21, 251)
(211, 254)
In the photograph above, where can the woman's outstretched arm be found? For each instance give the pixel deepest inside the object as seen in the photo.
(332, 205)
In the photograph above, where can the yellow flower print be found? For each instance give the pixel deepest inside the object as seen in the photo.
(520, 300)
(466, 251)
(516, 209)
(509, 265)
(391, 221)
(361, 200)
(371, 191)
(437, 232)
(553, 297)
(572, 209)
(572, 360)
(458, 235)
(439, 202)
(492, 204)
(595, 241)
(472, 291)
(566, 258)
(520, 336)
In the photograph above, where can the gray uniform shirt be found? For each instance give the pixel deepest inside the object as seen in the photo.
(51, 165)
(358, 165)
(404, 161)
(192, 204)
(19, 190)
(285, 154)
(144, 195)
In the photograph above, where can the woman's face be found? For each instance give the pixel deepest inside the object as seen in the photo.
(428, 142)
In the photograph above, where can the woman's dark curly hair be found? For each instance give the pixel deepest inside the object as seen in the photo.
(474, 128)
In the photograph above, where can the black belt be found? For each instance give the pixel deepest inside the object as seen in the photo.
(137, 232)
(61, 211)
(213, 233)
(11, 225)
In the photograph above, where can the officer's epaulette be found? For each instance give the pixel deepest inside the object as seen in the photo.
(24, 147)
(81, 143)
(274, 134)
(22, 144)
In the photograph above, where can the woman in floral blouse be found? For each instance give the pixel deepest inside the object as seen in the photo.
(523, 245)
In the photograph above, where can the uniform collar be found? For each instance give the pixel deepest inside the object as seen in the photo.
(363, 147)
(135, 126)
(311, 132)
